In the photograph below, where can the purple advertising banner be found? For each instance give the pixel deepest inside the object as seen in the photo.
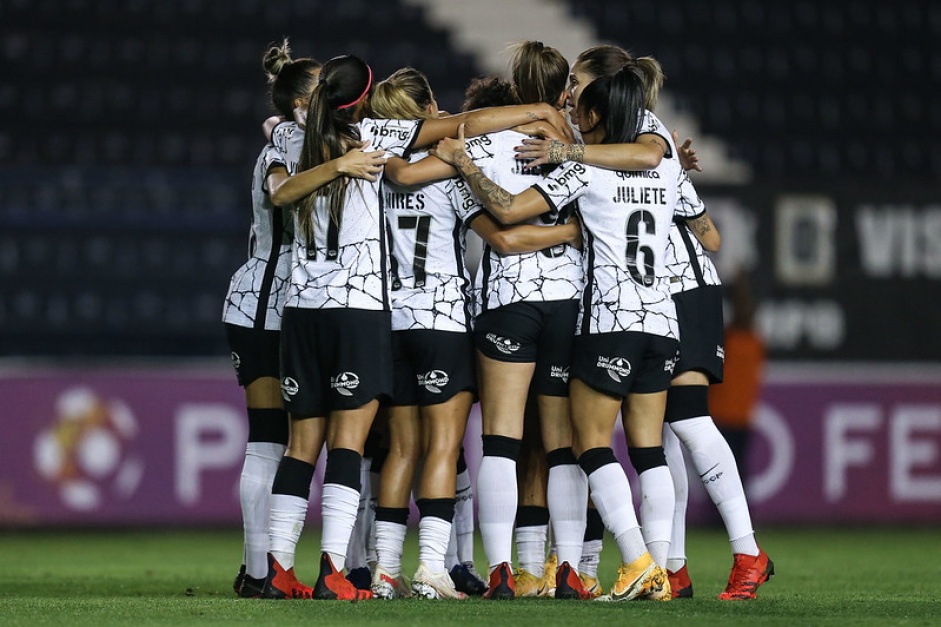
(164, 446)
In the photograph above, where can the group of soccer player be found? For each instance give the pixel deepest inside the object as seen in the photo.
(356, 326)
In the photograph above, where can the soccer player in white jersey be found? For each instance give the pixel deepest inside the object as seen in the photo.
(627, 331)
(336, 329)
(526, 310)
(694, 284)
(432, 347)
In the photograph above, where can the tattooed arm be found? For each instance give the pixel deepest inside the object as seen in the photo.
(706, 232)
(507, 208)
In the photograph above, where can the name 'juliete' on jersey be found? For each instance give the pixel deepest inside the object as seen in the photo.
(430, 282)
(626, 218)
(347, 264)
(546, 275)
(258, 289)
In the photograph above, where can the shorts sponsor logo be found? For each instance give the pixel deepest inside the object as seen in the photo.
(670, 364)
(434, 380)
(236, 360)
(616, 367)
(504, 344)
(289, 388)
(345, 382)
(559, 372)
(720, 352)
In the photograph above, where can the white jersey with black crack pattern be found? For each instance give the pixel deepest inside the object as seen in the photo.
(347, 264)
(430, 282)
(258, 289)
(547, 275)
(626, 218)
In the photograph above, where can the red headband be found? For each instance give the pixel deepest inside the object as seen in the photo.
(362, 95)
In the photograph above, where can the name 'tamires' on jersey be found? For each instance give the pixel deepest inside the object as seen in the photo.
(347, 264)
(546, 275)
(429, 278)
(258, 289)
(626, 217)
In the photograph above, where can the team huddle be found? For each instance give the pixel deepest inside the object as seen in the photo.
(359, 324)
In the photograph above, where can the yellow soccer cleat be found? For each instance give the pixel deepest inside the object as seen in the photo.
(641, 579)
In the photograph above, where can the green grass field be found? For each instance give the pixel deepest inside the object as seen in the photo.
(824, 576)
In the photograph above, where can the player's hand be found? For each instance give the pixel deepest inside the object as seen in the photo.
(688, 158)
(576, 242)
(450, 149)
(535, 151)
(357, 163)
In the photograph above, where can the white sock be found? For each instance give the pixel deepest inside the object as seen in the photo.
(496, 507)
(433, 536)
(374, 479)
(463, 525)
(356, 551)
(450, 556)
(258, 470)
(713, 460)
(531, 548)
(591, 557)
(676, 557)
(390, 542)
(656, 511)
(567, 493)
(339, 505)
(611, 494)
(286, 521)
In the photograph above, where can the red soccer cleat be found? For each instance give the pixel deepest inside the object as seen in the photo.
(680, 584)
(502, 585)
(748, 572)
(332, 585)
(282, 584)
(568, 585)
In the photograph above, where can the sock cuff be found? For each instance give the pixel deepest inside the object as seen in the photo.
(594, 458)
(643, 459)
(561, 457)
(686, 401)
(293, 478)
(436, 508)
(501, 446)
(398, 515)
(343, 468)
(268, 425)
(531, 516)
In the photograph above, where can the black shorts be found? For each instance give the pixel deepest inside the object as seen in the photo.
(256, 353)
(430, 367)
(525, 332)
(334, 359)
(625, 362)
(702, 333)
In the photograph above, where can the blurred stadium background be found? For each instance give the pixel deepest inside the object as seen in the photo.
(130, 127)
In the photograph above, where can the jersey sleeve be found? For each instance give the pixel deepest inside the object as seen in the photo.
(281, 135)
(271, 157)
(465, 203)
(688, 203)
(566, 183)
(394, 136)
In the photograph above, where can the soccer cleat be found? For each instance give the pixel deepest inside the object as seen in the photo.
(592, 585)
(332, 585)
(429, 585)
(239, 578)
(387, 586)
(548, 574)
(748, 572)
(680, 584)
(360, 577)
(282, 584)
(528, 584)
(502, 585)
(467, 580)
(251, 588)
(641, 579)
(569, 585)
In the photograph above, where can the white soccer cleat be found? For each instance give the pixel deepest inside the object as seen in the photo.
(429, 585)
(387, 586)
